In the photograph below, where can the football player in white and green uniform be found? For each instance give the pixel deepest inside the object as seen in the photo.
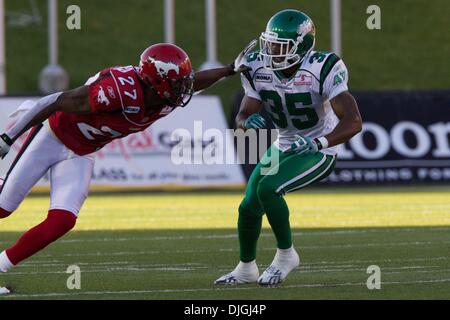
(305, 92)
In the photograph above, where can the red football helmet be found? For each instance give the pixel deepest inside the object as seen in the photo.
(168, 70)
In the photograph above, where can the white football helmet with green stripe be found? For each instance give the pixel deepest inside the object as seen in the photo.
(289, 37)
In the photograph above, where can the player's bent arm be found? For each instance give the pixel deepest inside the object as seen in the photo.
(206, 78)
(248, 107)
(350, 123)
(73, 101)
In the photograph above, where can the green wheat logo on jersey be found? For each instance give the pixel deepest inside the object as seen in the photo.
(339, 78)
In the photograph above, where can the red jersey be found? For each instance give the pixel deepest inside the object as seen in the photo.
(116, 97)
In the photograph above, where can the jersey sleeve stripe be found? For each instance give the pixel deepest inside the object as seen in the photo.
(249, 78)
(326, 69)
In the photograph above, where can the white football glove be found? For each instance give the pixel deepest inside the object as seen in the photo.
(305, 146)
(5, 145)
(239, 63)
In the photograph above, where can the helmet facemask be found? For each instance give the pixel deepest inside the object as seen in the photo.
(278, 53)
(283, 58)
(181, 90)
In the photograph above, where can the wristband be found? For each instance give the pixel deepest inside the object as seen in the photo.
(231, 66)
(322, 142)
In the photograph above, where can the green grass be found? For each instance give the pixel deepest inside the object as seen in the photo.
(409, 52)
(173, 246)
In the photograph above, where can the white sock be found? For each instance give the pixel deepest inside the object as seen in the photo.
(247, 269)
(5, 263)
(285, 252)
(286, 259)
(246, 266)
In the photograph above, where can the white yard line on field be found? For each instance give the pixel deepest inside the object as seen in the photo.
(315, 285)
(323, 263)
(415, 269)
(113, 264)
(371, 261)
(193, 268)
(113, 269)
(264, 234)
(302, 247)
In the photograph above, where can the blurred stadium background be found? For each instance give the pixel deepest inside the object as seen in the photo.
(160, 243)
(114, 34)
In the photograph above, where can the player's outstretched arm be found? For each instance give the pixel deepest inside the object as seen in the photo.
(206, 78)
(73, 101)
(350, 123)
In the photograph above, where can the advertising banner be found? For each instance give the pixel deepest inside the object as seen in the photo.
(405, 139)
(145, 159)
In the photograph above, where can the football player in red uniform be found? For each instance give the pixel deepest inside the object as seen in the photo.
(68, 127)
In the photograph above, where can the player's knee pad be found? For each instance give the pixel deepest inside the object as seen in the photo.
(4, 213)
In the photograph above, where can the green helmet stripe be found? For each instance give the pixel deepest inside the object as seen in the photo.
(326, 69)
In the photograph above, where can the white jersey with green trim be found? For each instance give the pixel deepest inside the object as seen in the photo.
(299, 105)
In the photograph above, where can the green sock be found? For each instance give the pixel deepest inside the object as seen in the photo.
(277, 213)
(249, 228)
(278, 216)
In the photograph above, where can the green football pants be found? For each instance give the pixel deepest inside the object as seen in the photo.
(264, 194)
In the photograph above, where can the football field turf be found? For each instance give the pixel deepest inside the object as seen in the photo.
(173, 246)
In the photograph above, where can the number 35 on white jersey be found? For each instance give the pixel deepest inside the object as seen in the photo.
(300, 104)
